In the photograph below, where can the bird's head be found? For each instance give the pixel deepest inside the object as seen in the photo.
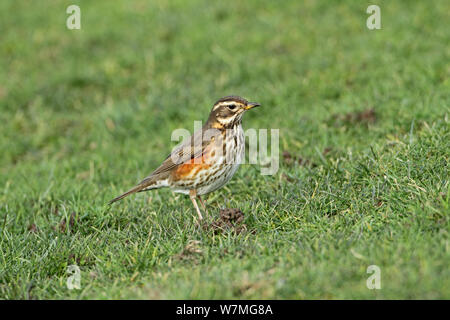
(228, 111)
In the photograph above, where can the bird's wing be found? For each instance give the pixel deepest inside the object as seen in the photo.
(190, 148)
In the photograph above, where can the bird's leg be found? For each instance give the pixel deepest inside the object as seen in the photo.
(192, 195)
(203, 204)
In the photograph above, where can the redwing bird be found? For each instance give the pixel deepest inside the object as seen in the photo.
(208, 159)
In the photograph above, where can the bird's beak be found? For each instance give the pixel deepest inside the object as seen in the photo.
(251, 105)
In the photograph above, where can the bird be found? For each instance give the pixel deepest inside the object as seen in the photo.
(205, 161)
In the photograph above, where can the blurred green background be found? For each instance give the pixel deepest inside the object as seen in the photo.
(364, 133)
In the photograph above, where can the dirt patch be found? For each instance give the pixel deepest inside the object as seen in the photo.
(32, 228)
(230, 219)
(80, 259)
(63, 224)
(326, 151)
(287, 178)
(364, 117)
(73, 259)
(291, 159)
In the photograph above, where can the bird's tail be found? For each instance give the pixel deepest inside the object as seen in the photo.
(133, 190)
(147, 184)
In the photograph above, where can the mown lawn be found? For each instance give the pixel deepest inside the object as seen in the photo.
(364, 149)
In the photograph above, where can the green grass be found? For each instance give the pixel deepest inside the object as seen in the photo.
(86, 114)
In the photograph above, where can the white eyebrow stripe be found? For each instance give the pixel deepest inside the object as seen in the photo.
(225, 103)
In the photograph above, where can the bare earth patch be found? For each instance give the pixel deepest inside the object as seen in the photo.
(229, 219)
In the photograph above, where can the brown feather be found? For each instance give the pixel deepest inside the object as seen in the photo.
(133, 190)
(191, 148)
(186, 151)
(232, 98)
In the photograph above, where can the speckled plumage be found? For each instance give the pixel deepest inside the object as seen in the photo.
(210, 177)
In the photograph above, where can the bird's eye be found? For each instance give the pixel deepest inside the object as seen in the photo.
(232, 107)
